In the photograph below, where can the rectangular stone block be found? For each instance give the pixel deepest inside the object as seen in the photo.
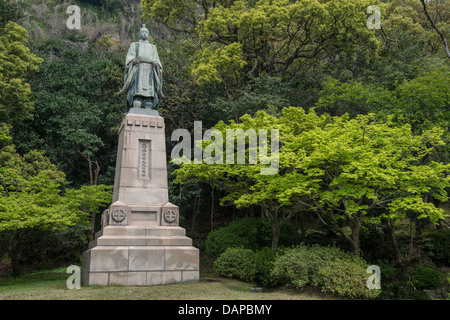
(128, 278)
(149, 196)
(163, 277)
(190, 276)
(164, 231)
(124, 231)
(181, 258)
(118, 278)
(105, 258)
(146, 258)
(98, 279)
(122, 241)
(137, 279)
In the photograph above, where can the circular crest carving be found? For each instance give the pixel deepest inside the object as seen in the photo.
(118, 215)
(170, 216)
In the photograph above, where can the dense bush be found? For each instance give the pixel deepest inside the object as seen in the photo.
(426, 278)
(236, 263)
(264, 262)
(330, 268)
(346, 278)
(439, 242)
(250, 233)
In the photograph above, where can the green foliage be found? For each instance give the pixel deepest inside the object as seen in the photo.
(342, 168)
(333, 270)
(236, 263)
(247, 36)
(17, 63)
(347, 279)
(76, 111)
(218, 241)
(249, 233)
(10, 11)
(354, 98)
(439, 240)
(426, 278)
(264, 262)
(109, 5)
(33, 201)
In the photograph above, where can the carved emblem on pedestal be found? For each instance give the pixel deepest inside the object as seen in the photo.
(118, 215)
(170, 216)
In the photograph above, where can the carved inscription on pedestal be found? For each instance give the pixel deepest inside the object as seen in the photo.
(144, 159)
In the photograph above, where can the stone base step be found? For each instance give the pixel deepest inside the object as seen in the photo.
(148, 278)
(114, 240)
(140, 265)
(140, 231)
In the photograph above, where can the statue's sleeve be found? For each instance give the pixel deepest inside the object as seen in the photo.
(157, 58)
(131, 55)
(130, 69)
(158, 74)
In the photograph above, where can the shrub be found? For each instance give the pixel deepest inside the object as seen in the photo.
(218, 241)
(236, 263)
(249, 233)
(292, 267)
(264, 260)
(330, 268)
(346, 278)
(439, 241)
(426, 278)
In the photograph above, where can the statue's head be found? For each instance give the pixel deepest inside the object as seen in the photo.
(143, 33)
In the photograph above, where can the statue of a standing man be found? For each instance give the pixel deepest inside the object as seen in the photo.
(143, 75)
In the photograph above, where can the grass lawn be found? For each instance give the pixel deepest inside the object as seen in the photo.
(51, 285)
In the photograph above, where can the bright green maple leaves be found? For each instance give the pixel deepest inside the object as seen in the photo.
(338, 167)
(31, 194)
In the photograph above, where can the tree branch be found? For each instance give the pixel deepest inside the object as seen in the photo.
(439, 32)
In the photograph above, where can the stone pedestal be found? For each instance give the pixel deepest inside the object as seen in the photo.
(140, 243)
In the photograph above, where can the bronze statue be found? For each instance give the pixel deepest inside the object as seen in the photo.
(143, 75)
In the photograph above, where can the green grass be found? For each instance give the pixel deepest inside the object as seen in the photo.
(51, 285)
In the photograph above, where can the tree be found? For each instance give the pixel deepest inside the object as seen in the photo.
(422, 102)
(357, 170)
(244, 184)
(17, 63)
(423, 20)
(435, 27)
(32, 197)
(346, 171)
(76, 114)
(231, 41)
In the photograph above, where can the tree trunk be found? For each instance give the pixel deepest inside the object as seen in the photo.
(91, 238)
(194, 215)
(212, 207)
(411, 237)
(14, 254)
(356, 230)
(274, 226)
(397, 254)
(275, 236)
(15, 263)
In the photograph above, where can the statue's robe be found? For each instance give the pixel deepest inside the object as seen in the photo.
(143, 74)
